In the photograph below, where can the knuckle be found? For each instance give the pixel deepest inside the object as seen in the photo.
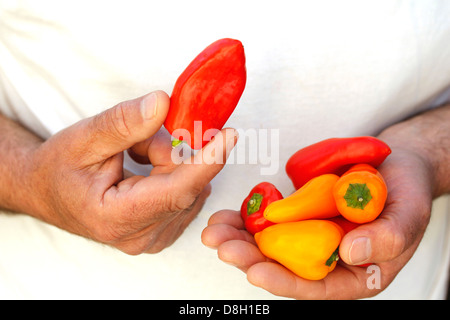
(400, 234)
(133, 249)
(182, 202)
(182, 199)
(394, 243)
(156, 248)
(106, 234)
(112, 122)
(108, 230)
(148, 242)
(118, 122)
(397, 243)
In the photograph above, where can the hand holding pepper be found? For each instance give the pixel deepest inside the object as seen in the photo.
(385, 241)
(95, 199)
(413, 180)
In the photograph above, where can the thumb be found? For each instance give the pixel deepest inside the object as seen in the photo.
(382, 240)
(181, 187)
(124, 125)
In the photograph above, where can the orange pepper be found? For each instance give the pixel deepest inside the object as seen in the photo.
(360, 194)
(312, 201)
(308, 248)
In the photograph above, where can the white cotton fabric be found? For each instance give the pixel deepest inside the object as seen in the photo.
(316, 69)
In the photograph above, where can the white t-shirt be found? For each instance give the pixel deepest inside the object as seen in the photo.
(316, 69)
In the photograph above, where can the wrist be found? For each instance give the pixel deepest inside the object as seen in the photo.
(34, 194)
(16, 188)
(27, 193)
(425, 138)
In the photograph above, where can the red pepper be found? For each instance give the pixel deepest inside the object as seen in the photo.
(335, 155)
(252, 209)
(346, 225)
(207, 91)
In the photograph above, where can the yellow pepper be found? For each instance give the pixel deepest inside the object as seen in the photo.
(312, 201)
(308, 248)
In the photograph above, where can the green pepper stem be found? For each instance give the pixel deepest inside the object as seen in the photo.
(334, 257)
(176, 143)
(254, 203)
(358, 195)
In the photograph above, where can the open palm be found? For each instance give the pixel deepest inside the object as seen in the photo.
(388, 242)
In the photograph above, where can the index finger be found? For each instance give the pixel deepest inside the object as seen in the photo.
(191, 177)
(178, 189)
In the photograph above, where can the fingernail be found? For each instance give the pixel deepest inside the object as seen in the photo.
(149, 106)
(360, 250)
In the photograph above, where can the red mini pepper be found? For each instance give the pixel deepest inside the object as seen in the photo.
(253, 206)
(335, 155)
(207, 92)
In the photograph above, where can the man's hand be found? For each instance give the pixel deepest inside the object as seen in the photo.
(414, 176)
(75, 180)
(389, 242)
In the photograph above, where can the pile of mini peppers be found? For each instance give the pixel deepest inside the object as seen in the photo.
(338, 187)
